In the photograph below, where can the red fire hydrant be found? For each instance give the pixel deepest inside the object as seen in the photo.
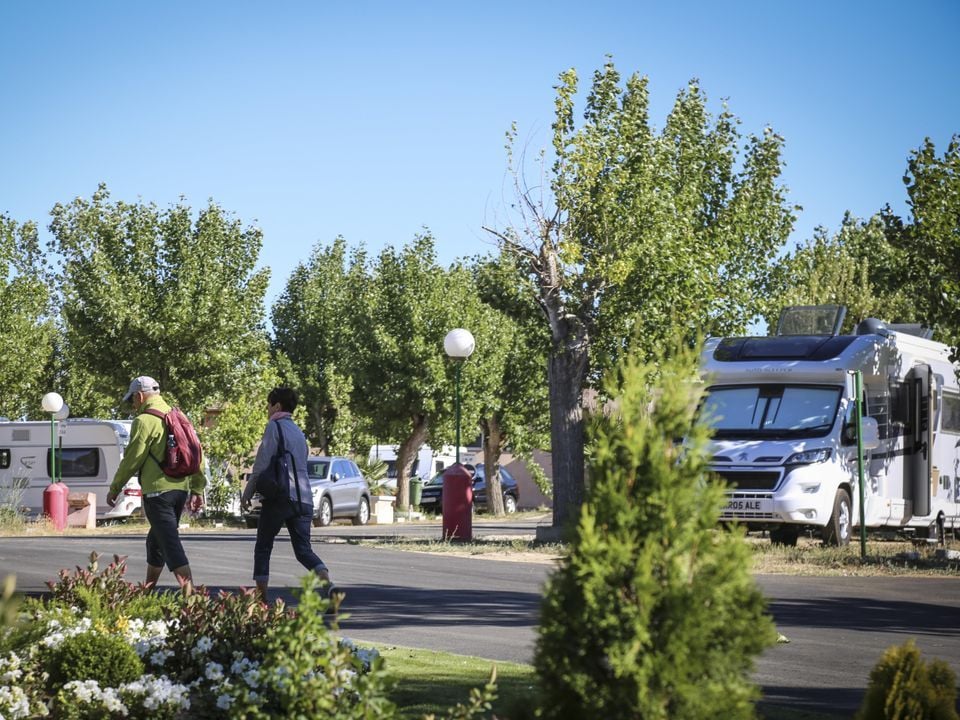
(55, 505)
(457, 503)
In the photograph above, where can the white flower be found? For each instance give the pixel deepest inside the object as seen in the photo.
(251, 678)
(10, 671)
(159, 691)
(203, 646)
(160, 657)
(213, 671)
(224, 702)
(14, 702)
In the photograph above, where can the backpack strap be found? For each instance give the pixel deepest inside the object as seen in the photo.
(163, 416)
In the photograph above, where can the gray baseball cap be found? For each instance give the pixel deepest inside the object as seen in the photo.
(143, 384)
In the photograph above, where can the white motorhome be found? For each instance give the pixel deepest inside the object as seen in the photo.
(427, 463)
(783, 412)
(89, 453)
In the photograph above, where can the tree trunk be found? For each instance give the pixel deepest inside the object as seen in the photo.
(406, 454)
(566, 373)
(492, 447)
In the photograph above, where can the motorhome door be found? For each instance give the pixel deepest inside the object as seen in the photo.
(919, 464)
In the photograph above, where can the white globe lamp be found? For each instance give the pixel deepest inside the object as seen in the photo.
(459, 345)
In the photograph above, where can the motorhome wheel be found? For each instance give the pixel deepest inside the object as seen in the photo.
(837, 531)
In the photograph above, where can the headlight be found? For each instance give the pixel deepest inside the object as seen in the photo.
(808, 457)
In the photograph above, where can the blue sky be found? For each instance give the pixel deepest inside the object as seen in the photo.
(372, 120)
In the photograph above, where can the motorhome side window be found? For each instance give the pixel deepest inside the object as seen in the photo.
(951, 414)
(76, 462)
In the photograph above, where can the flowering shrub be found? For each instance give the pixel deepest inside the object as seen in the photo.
(82, 655)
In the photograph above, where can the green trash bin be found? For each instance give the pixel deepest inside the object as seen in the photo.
(416, 490)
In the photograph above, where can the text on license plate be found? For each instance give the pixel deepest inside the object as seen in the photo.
(752, 505)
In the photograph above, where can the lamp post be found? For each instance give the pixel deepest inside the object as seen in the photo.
(62, 414)
(55, 503)
(53, 404)
(459, 345)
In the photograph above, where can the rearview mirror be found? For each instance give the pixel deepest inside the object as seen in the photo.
(871, 433)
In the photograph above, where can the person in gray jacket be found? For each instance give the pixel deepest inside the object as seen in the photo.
(294, 512)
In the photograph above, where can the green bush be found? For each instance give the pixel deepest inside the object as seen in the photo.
(312, 674)
(108, 659)
(654, 613)
(904, 687)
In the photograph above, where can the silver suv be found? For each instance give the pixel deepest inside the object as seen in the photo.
(339, 491)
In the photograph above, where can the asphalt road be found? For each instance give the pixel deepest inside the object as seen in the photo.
(838, 626)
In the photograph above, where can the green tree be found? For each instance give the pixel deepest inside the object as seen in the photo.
(861, 267)
(515, 410)
(654, 613)
(312, 327)
(157, 292)
(27, 331)
(403, 381)
(641, 233)
(932, 239)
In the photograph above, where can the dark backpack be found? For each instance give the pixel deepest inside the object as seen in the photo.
(273, 484)
(182, 453)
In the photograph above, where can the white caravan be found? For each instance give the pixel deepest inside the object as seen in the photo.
(90, 452)
(783, 412)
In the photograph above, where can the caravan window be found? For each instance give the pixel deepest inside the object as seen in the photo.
(771, 410)
(76, 462)
(951, 414)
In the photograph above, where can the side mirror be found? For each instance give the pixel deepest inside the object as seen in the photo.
(871, 433)
(335, 476)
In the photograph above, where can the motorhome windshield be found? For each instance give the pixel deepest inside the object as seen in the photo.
(771, 410)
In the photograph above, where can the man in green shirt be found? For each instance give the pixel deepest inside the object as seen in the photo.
(163, 497)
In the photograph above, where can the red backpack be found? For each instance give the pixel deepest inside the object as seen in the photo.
(181, 457)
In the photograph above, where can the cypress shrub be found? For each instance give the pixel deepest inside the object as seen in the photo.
(108, 659)
(654, 613)
(904, 687)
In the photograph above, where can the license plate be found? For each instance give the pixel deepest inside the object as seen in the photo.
(752, 505)
(427, 500)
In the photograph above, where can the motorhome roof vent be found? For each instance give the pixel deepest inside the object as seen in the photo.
(913, 329)
(872, 326)
(811, 320)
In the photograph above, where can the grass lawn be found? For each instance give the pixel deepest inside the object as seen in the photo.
(432, 682)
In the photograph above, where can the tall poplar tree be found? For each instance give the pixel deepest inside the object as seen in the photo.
(640, 233)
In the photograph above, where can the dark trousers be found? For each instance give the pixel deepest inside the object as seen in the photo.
(272, 519)
(163, 512)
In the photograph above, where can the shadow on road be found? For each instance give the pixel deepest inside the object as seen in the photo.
(868, 614)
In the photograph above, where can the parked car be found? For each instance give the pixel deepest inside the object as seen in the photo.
(339, 491)
(431, 497)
